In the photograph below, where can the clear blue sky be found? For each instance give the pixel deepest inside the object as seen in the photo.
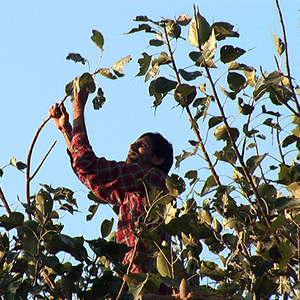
(37, 35)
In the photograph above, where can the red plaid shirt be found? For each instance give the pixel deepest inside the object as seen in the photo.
(117, 183)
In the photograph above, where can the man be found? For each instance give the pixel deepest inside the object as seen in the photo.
(120, 183)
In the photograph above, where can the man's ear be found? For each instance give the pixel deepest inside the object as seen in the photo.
(158, 161)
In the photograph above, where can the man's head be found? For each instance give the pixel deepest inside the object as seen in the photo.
(152, 149)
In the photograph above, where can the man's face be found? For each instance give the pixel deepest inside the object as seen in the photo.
(141, 152)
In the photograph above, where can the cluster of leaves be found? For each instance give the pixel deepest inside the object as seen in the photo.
(87, 79)
(236, 233)
(32, 254)
(248, 220)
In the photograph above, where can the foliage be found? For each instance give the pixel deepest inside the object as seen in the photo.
(247, 219)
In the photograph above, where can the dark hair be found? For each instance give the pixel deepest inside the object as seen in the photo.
(162, 149)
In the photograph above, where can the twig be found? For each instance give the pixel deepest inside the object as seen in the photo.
(195, 126)
(129, 267)
(5, 202)
(43, 160)
(28, 162)
(287, 63)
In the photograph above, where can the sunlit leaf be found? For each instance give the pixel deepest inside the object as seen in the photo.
(175, 185)
(222, 134)
(279, 44)
(173, 28)
(184, 20)
(162, 59)
(18, 164)
(98, 39)
(199, 29)
(119, 65)
(106, 73)
(152, 73)
(144, 64)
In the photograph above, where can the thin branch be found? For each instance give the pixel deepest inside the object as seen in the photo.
(194, 124)
(29, 155)
(287, 63)
(5, 203)
(43, 160)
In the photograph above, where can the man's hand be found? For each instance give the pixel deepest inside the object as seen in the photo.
(60, 117)
(80, 99)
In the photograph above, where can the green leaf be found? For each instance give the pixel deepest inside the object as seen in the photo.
(99, 99)
(106, 227)
(144, 64)
(43, 205)
(86, 81)
(253, 162)
(222, 134)
(224, 30)
(199, 29)
(294, 188)
(163, 263)
(163, 59)
(209, 183)
(76, 57)
(213, 121)
(236, 81)
(94, 198)
(143, 27)
(229, 53)
(290, 139)
(98, 39)
(1, 172)
(173, 28)
(142, 284)
(14, 220)
(152, 73)
(175, 185)
(156, 43)
(276, 224)
(69, 88)
(18, 164)
(212, 270)
(119, 65)
(106, 73)
(185, 94)
(192, 175)
(161, 85)
(188, 76)
(279, 44)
